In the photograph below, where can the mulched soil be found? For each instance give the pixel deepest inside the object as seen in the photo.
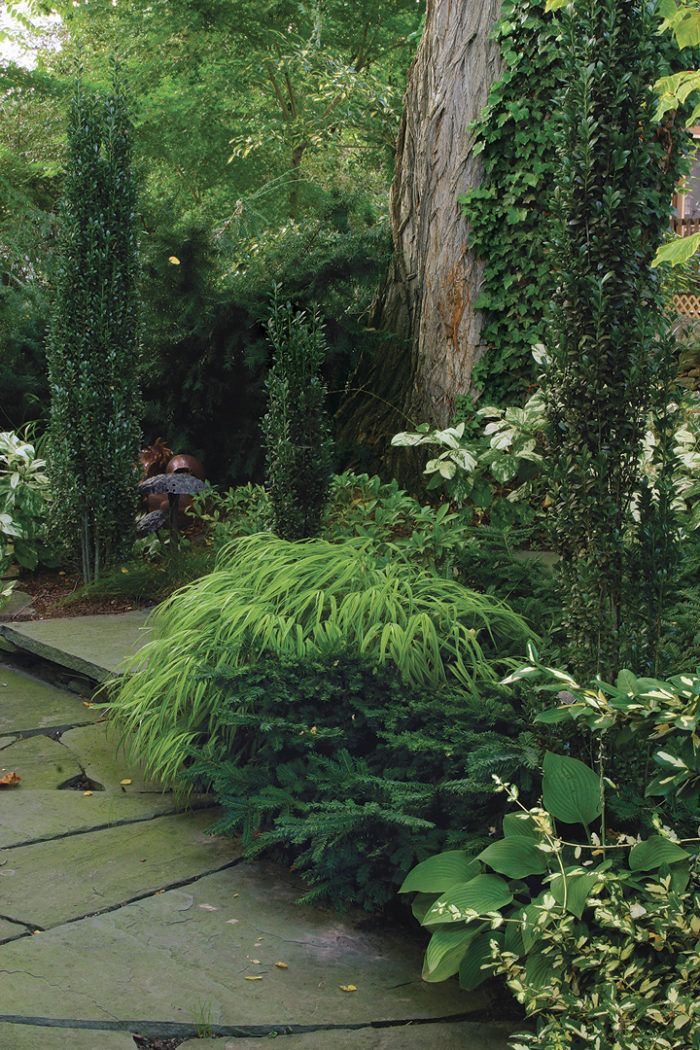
(50, 589)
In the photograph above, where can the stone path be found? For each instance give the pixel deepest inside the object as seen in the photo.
(120, 917)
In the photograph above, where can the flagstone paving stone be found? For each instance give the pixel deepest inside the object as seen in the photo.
(99, 752)
(41, 763)
(19, 605)
(142, 922)
(64, 879)
(91, 645)
(27, 703)
(177, 956)
(455, 1036)
(10, 929)
(30, 1037)
(29, 815)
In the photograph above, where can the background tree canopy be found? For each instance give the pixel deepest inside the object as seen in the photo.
(264, 136)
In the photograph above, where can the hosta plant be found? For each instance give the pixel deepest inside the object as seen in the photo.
(597, 939)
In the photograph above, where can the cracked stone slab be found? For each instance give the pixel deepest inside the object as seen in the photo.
(98, 750)
(33, 1037)
(91, 645)
(27, 703)
(29, 815)
(54, 882)
(7, 930)
(41, 763)
(186, 953)
(447, 1036)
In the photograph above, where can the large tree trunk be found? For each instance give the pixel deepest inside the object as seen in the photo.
(428, 300)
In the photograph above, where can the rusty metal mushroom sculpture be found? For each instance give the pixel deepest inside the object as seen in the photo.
(174, 486)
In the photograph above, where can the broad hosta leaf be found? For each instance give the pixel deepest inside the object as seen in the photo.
(446, 950)
(570, 790)
(655, 851)
(579, 885)
(471, 974)
(422, 903)
(520, 826)
(513, 934)
(483, 894)
(514, 857)
(538, 970)
(440, 872)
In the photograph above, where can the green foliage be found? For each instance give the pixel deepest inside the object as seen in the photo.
(682, 626)
(496, 472)
(612, 357)
(94, 343)
(598, 942)
(396, 524)
(149, 579)
(339, 768)
(245, 113)
(206, 350)
(509, 213)
(296, 429)
(269, 597)
(23, 505)
(643, 714)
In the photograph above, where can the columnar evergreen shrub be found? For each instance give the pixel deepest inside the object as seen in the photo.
(296, 428)
(94, 345)
(611, 352)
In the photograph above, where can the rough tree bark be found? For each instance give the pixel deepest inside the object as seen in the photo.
(427, 303)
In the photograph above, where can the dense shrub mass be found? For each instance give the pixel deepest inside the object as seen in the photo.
(350, 775)
(273, 598)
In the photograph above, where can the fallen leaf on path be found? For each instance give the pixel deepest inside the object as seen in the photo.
(86, 794)
(282, 966)
(126, 780)
(232, 922)
(208, 907)
(348, 987)
(9, 779)
(254, 977)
